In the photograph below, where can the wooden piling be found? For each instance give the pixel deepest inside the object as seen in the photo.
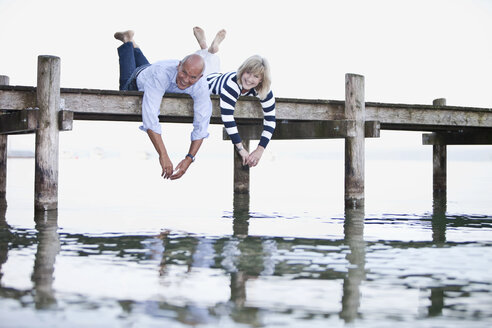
(47, 134)
(439, 159)
(4, 80)
(241, 173)
(354, 145)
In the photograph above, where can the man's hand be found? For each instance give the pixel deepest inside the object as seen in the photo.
(181, 168)
(167, 166)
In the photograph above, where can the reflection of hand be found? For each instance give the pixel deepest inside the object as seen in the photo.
(167, 166)
(181, 168)
(255, 156)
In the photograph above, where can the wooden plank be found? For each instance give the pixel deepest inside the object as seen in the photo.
(95, 104)
(458, 138)
(24, 121)
(291, 129)
(17, 97)
(173, 105)
(421, 118)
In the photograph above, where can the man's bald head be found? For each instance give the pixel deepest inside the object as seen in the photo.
(195, 61)
(190, 70)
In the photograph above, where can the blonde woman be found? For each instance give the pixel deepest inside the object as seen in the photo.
(251, 79)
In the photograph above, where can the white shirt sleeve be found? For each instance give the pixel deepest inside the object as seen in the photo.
(202, 110)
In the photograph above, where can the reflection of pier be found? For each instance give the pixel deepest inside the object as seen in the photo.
(246, 258)
(4, 241)
(48, 109)
(354, 237)
(48, 247)
(239, 266)
(44, 264)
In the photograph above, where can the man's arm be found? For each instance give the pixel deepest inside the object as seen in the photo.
(185, 163)
(164, 160)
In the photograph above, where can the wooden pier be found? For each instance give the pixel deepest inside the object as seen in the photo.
(47, 109)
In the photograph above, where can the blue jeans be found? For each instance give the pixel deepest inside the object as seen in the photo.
(132, 62)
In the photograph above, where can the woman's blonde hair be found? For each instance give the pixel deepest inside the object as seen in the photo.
(257, 65)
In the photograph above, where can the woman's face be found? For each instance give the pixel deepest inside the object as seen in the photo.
(250, 80)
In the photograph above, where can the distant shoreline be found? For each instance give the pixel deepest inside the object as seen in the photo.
(20, 154)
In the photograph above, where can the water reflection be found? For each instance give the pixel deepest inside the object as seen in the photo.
(240, 226)
(239, 278)
(240, 215)
(354, 237)
(4, 239)
(439, 219)
(44, 264)
(256, 277)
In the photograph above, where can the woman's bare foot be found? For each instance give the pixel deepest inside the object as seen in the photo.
(200, 37)
(216, 42)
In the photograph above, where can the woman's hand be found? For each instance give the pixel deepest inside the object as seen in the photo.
(244, 155)
(242, 152)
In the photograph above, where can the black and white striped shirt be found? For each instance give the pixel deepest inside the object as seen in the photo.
(226, 86)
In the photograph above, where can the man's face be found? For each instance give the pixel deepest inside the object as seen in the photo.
(188, 74)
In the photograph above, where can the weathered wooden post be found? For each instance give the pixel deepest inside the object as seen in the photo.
(439, 158)
(439, 185)
(355, 110)
(4, 80)
(47, 134)
(241, 173)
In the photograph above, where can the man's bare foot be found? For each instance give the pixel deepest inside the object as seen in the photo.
(216, 42)
(126, 36)
(200, 37)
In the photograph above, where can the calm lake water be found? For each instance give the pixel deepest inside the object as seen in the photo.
(127, 249)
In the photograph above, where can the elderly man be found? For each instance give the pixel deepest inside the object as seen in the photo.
(155, 80)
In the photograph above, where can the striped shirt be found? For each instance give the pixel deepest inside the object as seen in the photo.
(226, 86)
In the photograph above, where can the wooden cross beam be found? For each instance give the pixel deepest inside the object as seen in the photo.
(291, 129)
(26, 121)
(479, 137)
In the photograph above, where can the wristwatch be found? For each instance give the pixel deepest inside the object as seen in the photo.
(191, 156)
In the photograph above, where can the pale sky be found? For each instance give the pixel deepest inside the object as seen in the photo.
(409, 51)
